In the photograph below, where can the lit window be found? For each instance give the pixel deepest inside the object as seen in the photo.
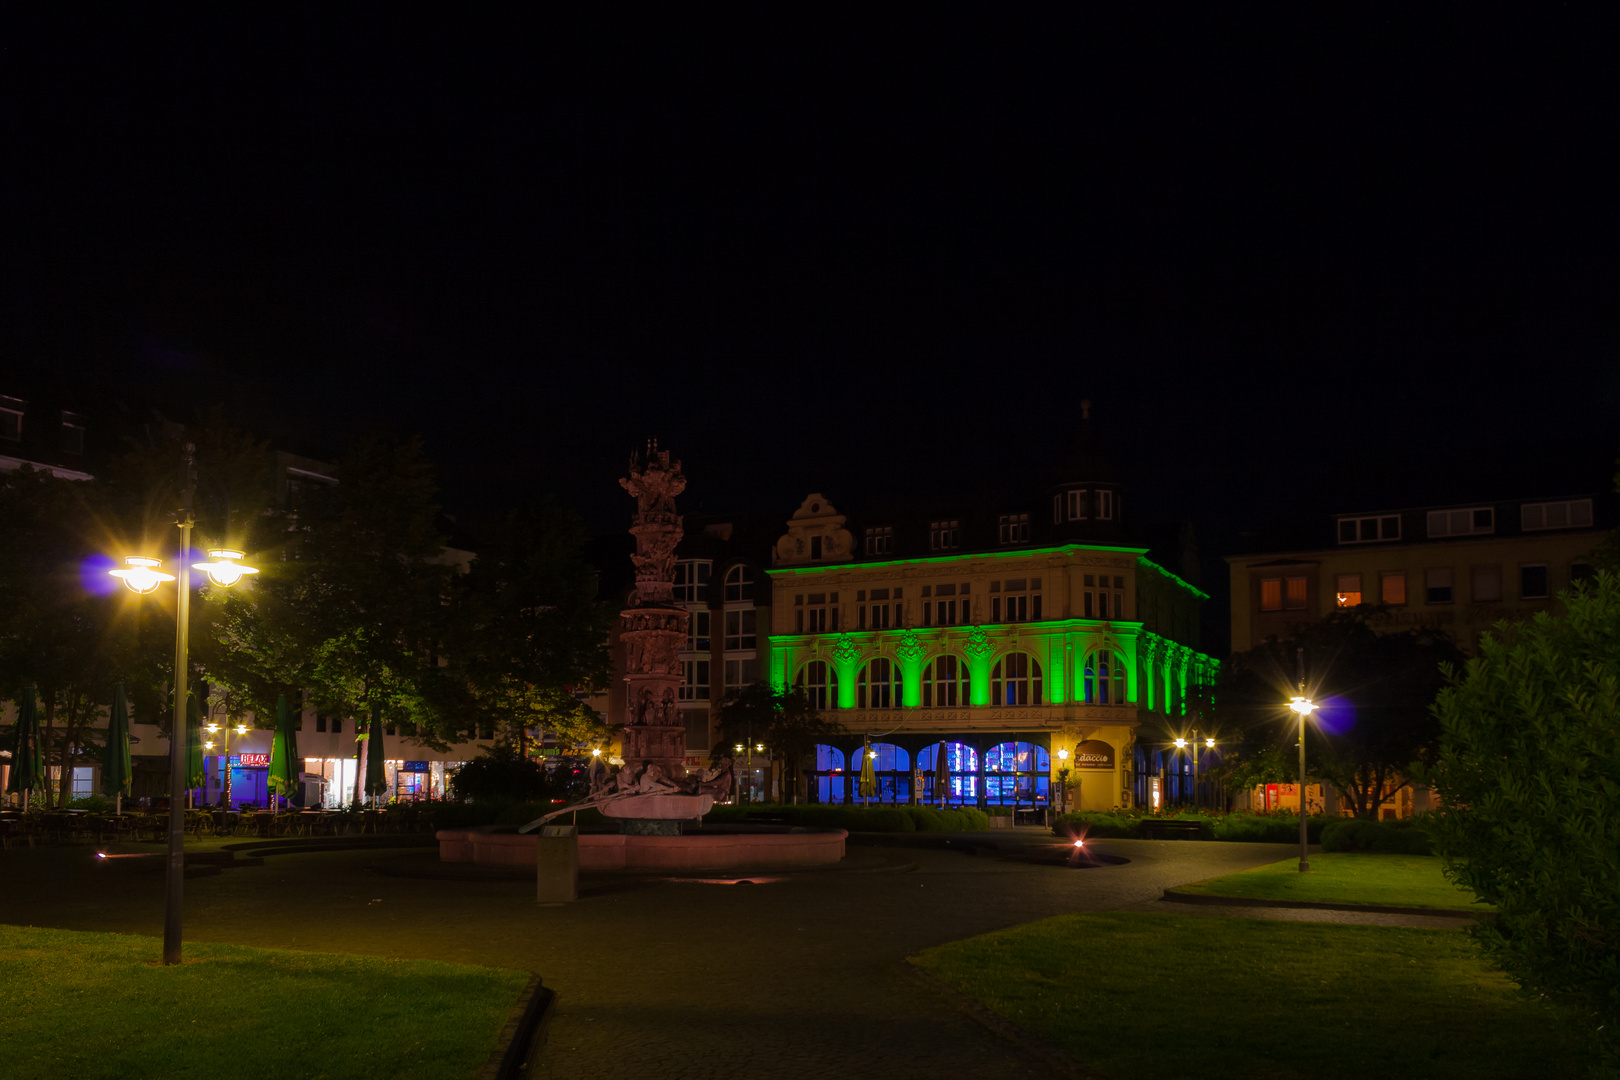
(1270, 594)
(740, 629)
(1568, 514)
(1347, 590)
(1103, 682)
(1437, 585)
(1016, 680)
(817, 682)
(1533, 582)
(1014, 528)
(879, 685)
(1485, 583)
(1294, 593)
(944, 683)
(1392, 587)
(880, 540)
(692, 580)
(739, 584)
(1361, 530)
(1468, 522)
(944, 535)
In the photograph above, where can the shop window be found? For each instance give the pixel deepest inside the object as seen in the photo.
(1533, 582)
(1017, 774)
(1347, 590)
(1392, 587)
(1016, 680)
(962, 763)
(818, 683)
(739, 585)
(1437, 585)
(1485, 583)
(830, 774)
(945, 683)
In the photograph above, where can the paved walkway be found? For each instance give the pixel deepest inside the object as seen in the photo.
(799, 978)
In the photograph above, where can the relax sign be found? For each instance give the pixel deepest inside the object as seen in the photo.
(1094, 754)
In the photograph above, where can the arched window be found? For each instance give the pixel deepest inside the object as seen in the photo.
(879, 685)
(829, 774)
(1103, 682)
(893, 768)
(739, 584)
(1017, 774)
(1016, 680)
(963, 763)
(945, 683)
(819, 684)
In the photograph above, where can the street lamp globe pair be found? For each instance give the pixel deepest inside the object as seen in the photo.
(143, 575)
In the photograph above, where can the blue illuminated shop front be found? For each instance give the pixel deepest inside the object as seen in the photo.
(249, 776)
(1014, 773)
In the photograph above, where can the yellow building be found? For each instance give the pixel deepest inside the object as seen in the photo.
(1028, 644)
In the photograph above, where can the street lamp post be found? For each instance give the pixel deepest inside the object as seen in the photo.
(225, 758)
(1181, 747)
(1063, 780)
(143, 575)
(1303, 706)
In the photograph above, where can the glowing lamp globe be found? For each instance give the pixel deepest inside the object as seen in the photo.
(1181, 744)
(1302, 705)
(596, 753)
(1210, 743)
(1063, 755)
(226, 567)
(142, 575)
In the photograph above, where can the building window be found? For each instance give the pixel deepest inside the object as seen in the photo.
(879, 615)
(694, 680)
(1568, 514)
(820, 614)
(692, 580)
(739, 585)
(879, 685)
(11, 418)
(815, 547)
(1076, 507)
(740, 629)
(1105, 505)
(697, 630)
(1014, 528)
(945, 683)
(1533, 582)
(817, 682)
(1016, 680)
(1361, 530)
(740, 674)
(1392, 587)
(944, 535)
(1294, 593)
(72, 433)
(1473, 522)
(1103, 682)
(1270, 594)
(880, 540)
(320, 723)
(1437, 585)
(1347, 590)
(1485, 583)
(1019, 599)
(943, 612)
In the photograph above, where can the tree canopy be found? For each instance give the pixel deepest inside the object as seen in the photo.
(785, 722)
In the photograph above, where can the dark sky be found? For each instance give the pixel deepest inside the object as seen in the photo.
(1300, 259)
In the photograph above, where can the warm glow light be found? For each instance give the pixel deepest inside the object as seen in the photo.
(211, 728)
(1302, 705)
(738, 748)
(141, 574)
(1079, 843)
(759, 748)
(226, 569)
(1063, 755)
(1210, 743)
(208, 744)
(241, 729)
(1181, 744)
(596, 753)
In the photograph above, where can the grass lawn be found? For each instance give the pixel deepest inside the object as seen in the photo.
(1346, 877)
(94, 1005)
(1172, 996)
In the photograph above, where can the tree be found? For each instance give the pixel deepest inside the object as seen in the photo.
(1529, 784)
(1374, 690)
(786, 722)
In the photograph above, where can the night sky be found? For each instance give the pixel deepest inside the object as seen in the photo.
(1300, 261)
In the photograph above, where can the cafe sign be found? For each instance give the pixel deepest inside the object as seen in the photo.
(415, 766)
(252, 761)
(1094, 754)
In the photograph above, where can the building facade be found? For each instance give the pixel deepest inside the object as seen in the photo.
(1028, 641)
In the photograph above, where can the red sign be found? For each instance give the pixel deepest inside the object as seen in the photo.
(251, 760)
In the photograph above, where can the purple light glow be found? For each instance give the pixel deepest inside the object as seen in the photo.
(1336, 715)
(96, 577)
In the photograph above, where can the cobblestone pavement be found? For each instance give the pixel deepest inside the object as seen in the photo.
(802, 977)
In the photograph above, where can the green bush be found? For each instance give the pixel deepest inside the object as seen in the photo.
(1529, 785)
(1269, 828)
(1384, 837)
(96, 804)
(1096, 824)
(1241, 828)
(856, 818)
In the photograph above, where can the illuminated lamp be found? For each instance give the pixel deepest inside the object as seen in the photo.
(225, 570)
(1063, 755)
(1210, 742)
(596, 753)
(1181, 744)
(1302, 705)
(208, 744)
(142, 575)
(738, 748)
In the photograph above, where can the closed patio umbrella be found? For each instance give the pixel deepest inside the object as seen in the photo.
(868, 786)
(376, 780)
(115, 765)
(942, 773)
(194, 747)
(27, 763)
(283, 767)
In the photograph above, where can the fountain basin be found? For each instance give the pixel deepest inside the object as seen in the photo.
(714, 849)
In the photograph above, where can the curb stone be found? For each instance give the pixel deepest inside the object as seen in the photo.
(523, 1035)
(1212, 900)
(1060, 1063)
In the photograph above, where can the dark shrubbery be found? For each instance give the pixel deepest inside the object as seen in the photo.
(856, 818)
(1399, 837)
(1243, 828)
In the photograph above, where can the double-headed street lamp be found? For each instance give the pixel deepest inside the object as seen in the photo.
(1303, 706)
(225, 758)
(143, 575)
(748, 770)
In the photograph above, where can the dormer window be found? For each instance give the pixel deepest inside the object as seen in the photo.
(1014, 528)
(1363, 530)
(880, 540)
(1105, 505)
(945, 535)
(73, 433)
(11, 418)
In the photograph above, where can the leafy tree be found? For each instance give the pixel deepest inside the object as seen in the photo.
(1529, 783)
(1375, 689)
(786, 722)
(502, 775)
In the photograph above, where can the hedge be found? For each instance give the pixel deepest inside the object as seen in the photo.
(1237, 828)
(856, 818)
(1395, 837)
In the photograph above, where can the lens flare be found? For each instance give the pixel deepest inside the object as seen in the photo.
(1336, 715)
